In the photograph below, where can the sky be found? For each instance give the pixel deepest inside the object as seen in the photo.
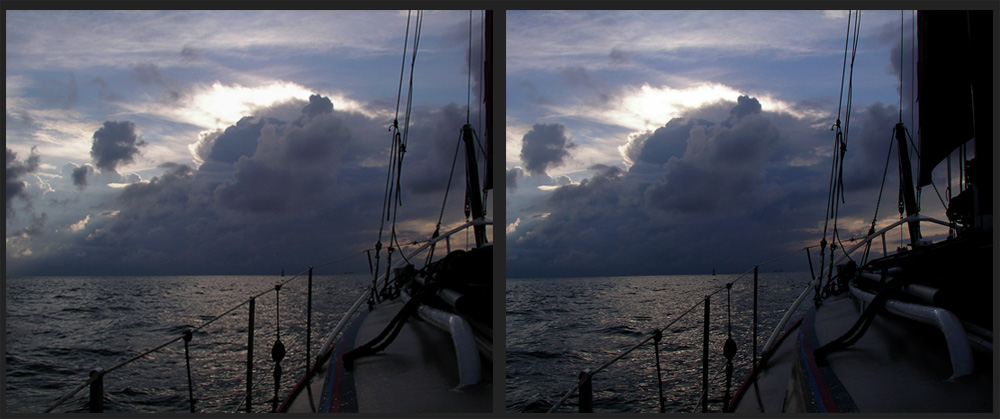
(225, 142)
(678, 142)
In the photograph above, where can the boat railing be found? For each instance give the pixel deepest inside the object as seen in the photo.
(95, 380)
(584, 385)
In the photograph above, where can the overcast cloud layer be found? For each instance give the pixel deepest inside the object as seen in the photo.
(153, 143)
(678, 142)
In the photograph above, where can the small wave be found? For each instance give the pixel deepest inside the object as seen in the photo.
(41, 369)
(555, 310)
(533, 406)
(81, 309)
(102, 351)
(619, 330)
(534, 354)
(171, 330)
(130, 392)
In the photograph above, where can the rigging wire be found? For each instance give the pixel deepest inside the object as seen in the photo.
(901, 25)
(400, 144)
(468, 92)
(394, 138)
(840, 148)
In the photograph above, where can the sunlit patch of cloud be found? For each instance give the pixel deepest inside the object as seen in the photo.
(512, 227)
(80, 225)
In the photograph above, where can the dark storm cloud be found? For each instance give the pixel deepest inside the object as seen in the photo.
(699, 194)
(724, 166)
(283, 166)
(236, 141)
(80, 176)
(15, 171)
(512, 175)
(308, 191)
(665, 142)
(115, 143)
(745, 105)
(317, 105)
(545, 146)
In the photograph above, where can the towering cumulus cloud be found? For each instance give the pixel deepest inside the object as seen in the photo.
(308, 183)
(115, 143)
(720, 172)
(545, 146)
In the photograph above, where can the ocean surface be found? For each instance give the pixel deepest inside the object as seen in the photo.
(60, 328)
(558, 327)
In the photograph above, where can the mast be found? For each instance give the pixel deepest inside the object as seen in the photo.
(488, 97)
(473, 193)
(909, 197)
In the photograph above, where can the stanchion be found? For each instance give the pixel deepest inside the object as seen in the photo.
(97, 390)
(704, 360)
(187, 359)
(586, 392)
(657, 336)
(250, 327)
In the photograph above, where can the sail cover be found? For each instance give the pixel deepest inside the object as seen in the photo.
(954, 65)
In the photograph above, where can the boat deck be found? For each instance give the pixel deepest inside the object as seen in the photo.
(904, 368)
(416, 373)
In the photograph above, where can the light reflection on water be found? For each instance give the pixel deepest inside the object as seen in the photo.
(58, 329)
(558, 327)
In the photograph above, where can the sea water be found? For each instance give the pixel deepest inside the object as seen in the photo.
(60, 328)
(557, 327)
